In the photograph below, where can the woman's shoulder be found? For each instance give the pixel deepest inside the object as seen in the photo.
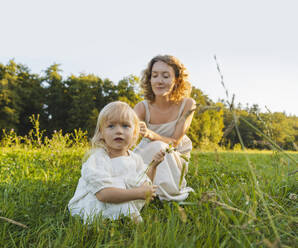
(189, 103)
(140, 110)
(140, 104)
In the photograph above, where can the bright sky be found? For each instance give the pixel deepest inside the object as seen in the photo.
(255, 42)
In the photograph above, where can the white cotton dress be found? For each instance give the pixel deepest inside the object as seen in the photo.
(99, 172)
(168, 172)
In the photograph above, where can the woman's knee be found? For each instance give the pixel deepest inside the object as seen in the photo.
(159, 145)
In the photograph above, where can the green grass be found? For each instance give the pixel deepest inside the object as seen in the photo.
(226, 209)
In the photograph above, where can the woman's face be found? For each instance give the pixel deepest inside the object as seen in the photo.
(162, 79)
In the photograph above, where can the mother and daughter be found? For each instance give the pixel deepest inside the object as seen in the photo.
(116, 181)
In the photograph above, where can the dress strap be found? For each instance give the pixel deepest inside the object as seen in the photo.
(181, 108)
(147, 115)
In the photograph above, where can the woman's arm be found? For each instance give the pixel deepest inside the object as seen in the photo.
(181, 128)
(117, 195)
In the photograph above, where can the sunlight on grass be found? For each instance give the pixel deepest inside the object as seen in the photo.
(37, 180)
(37, 184)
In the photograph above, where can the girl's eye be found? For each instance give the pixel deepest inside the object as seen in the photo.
(110, 126)
(126, 125)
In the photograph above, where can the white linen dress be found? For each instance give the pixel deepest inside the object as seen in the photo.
(99, 172)
(168, 172)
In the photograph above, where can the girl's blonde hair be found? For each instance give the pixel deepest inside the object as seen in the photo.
(111, 110)
(182, 86)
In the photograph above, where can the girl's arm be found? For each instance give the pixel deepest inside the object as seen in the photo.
(152, 172)
(117, 195)
(181, 128)
(157, 159)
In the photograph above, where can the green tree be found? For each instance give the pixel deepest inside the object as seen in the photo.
(57, 99)
(86, 99)
(30, 99)
(128, 91)
(9, 109)
(206, 128)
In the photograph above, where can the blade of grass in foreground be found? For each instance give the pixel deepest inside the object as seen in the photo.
(182, 174)
(256, 186)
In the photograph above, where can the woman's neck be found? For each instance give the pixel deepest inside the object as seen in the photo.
(162, 102)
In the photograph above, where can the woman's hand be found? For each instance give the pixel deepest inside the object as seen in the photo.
(147, 191)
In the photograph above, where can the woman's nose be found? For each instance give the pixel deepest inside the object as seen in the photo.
(158, 80)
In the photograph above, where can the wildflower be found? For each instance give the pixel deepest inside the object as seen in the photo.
(182, 214)
(293, 196)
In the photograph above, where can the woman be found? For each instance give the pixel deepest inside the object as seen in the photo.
(165, 120)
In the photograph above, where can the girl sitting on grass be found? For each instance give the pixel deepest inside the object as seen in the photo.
(114, 180)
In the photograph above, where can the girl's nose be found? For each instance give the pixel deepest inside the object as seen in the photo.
(119, 129)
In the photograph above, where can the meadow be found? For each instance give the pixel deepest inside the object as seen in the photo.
(241, 199)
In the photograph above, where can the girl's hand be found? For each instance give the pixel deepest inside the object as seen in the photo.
(159, 157)
(147, 191)
(143, 129)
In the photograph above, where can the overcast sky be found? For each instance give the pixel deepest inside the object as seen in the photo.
(256, 42)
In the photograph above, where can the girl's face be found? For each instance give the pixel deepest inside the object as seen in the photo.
(118, 136)
(162, 78)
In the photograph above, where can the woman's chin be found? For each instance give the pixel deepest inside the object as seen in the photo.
(161, 93)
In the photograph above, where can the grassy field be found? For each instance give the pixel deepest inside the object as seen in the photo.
(240, 200)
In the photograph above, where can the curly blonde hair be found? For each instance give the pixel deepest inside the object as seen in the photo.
(112, 110)
(182, 86)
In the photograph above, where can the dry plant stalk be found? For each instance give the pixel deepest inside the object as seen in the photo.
(147, 169)
(13, 222)
(211, 197)
(168, 150)
(230, 208)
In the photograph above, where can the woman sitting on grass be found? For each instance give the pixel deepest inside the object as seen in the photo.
(113, 180)
(166, 115)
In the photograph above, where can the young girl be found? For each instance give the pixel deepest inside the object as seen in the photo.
(113, 180)
(164, 120)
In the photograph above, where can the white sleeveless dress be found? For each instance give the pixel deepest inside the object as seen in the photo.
(168, 172)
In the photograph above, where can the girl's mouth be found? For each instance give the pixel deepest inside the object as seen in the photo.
(118, 139)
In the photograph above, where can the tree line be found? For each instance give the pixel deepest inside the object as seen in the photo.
(74, 103)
